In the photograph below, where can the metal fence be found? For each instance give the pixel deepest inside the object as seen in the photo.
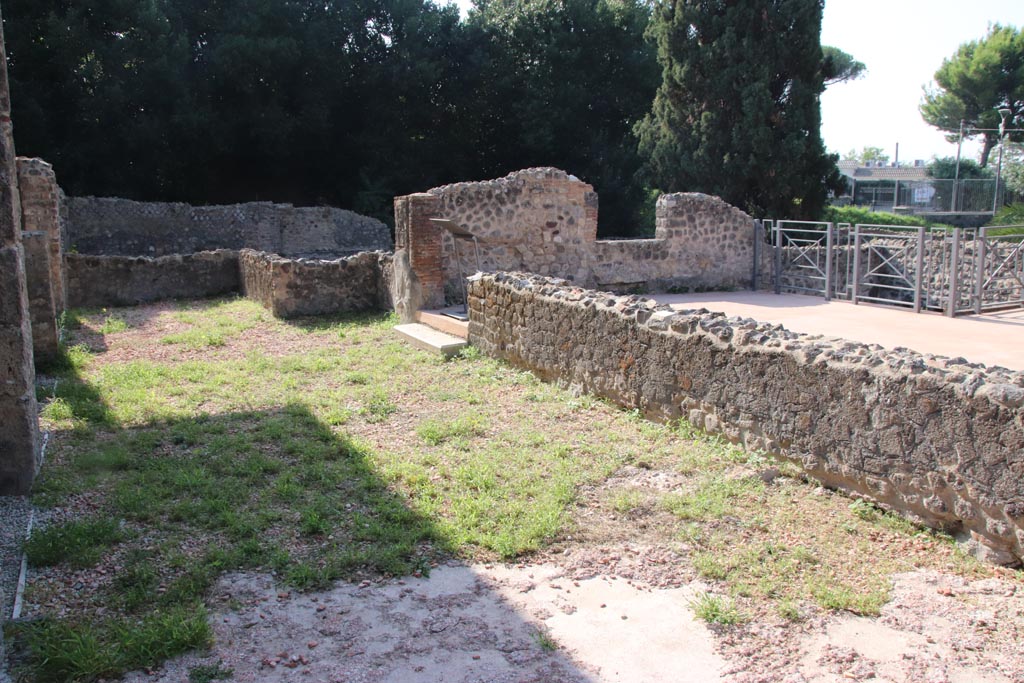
(962, 270)
(932, 196)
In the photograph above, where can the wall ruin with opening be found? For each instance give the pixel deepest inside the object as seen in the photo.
(544, 220)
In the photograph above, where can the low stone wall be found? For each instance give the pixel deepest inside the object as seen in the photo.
(938, 440)
(297, 287)
(544, 221)
(95, 281)
(121, 227)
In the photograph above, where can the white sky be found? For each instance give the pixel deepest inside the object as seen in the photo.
(902, 43)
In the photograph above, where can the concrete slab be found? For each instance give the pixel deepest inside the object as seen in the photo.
(992, 338)
(429, 339)
(445, 323)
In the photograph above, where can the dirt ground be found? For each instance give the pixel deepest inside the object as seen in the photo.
(610, 600)
(612, 604)
(547, 622)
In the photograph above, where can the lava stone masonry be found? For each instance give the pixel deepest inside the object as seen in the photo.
(939, 440)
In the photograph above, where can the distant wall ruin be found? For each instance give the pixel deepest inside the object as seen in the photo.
(544, 221)
(290, 288)
(938, 440)
(96, 281)
(121, 227)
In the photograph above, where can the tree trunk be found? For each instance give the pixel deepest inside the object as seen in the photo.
(989, 145)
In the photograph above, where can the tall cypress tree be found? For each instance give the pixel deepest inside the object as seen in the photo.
(738, 112)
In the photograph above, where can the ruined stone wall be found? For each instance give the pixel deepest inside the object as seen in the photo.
(297, 287)
(700, 242)
(543, 220)
(95, 281)
(535, 220)
(939, 440)
(122, 227)
(42, 231)
(19, 437)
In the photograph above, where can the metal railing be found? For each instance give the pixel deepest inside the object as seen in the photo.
(803, 256)
(888, 265)
(956, 271)
(999, 282)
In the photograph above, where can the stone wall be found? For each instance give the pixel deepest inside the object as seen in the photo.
(939, 440)
(19, 437)
(42, 231)
(95, 281)
(544, 221)
(121, 227)
(297, 287)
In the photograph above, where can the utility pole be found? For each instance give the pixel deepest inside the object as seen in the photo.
(956, 177)
(1003, 113)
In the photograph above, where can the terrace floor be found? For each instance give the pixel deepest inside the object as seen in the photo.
(993, 338)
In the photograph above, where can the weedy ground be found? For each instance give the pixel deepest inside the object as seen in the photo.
(195, 438)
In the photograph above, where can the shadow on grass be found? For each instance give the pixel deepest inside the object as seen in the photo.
(180, 502)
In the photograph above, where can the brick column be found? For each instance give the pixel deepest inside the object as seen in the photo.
(19, 435)
(423, 241)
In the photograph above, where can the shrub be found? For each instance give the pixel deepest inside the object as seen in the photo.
(857, 214)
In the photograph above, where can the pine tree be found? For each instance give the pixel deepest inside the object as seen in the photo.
(738, 112)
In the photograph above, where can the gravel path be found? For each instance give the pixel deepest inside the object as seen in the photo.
(14, 516)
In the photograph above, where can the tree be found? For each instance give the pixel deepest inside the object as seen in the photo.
(738, 113)
(945, 169)
(867, 154)
(1013, 167)
(839, 67)
(564, 83)
(983, 76)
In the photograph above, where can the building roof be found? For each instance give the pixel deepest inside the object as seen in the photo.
(851, 169)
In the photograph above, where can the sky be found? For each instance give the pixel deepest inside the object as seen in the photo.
(902, 43)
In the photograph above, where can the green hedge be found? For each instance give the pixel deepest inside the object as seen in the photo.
(856, 214)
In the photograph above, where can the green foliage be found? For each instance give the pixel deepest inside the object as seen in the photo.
(982, 77)
(1009, 215)
(206, 673)
(745, 129)
(78, 543)
(838, 66)
(716, 609)
(856, 214)
(340, 102)
(866, 154)
(945, 169)
(61, 652)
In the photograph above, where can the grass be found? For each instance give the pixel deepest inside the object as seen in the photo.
(64, 651)
(328, 450)
(78, 543)
(715, 609)
(206, 673)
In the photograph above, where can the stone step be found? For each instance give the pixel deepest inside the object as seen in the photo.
(429, 339)
(439, 321)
